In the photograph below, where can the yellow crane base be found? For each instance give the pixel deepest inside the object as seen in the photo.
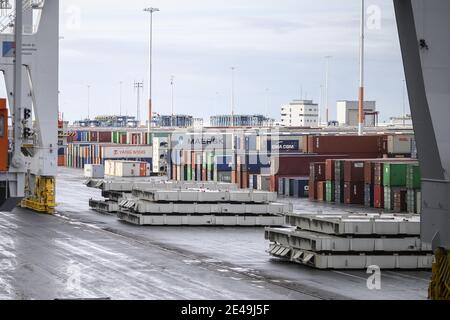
(43, 199)
(440, 281)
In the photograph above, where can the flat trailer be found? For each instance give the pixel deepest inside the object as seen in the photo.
(200, 220)
(349, 261)
(313, 241)
(357, 224)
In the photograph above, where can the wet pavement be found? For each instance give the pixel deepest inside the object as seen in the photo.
(83, 254)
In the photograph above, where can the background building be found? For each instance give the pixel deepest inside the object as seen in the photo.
(347, 113)
(300, 113)
(108, 121)
(241, 121)
(176, 121)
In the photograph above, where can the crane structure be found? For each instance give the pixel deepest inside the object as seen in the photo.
(29, 62)
(423, 30)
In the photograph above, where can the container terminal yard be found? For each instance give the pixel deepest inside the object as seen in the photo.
(245, 208)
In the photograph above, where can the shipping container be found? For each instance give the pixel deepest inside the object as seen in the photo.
(321, 191)
(413, 178)
(317, 171)
(348, 144)
(329, 170)
(399, 204)
(400, 145)
(339, 170)
(353, 171)
(298, 164)
(369, 195)
(354, 193)
(394, 174)
(224, 176)
(339, 191)
(95, 171)
(312, 186)
(263, 182)
(378, 196)
(281, 186)
(330, 191)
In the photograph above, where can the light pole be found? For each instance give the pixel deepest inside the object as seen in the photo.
(150, 107)
(172, 84)
(326, 90)
(267, 103)
(138, 86)
(89, 101)
(232, 95)
(120, 98)
(361, 71)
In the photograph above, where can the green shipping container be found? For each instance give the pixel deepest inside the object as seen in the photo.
(115, 137)
(413, 178)
(394, 174)
(189, 173)
(330, 191)
(388, 200)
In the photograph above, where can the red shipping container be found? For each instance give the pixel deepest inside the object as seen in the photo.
(329, 170)
(354, 171)
(317, 171)
(93, 136)
(378, 195)
(347, 144)
(369, 172)
(321, 191)
(244, 180)
(61, 161)
(298, 165)
(354, 193)
(204, 174)
(400, 204)
(104, 136)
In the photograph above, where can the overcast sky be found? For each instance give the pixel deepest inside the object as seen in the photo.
(276, 45)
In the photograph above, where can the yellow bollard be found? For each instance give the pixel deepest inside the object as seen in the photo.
(440, 281)
(43, 199)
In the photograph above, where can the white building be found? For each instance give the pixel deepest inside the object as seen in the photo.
(348, 114)
(300, 113)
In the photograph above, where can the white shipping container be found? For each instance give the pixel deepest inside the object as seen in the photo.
(127, 168)
(95, 171)
(109, 167)
(400, 144)
(124, 152)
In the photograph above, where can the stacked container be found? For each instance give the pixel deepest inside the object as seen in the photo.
(317, 184)
(413, 185)
(394, 182)
(330, 182)
(339, 181)
(354, 182)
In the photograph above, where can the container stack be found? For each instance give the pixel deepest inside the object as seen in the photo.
(351, 241)
(392, 185)
(413, 185)
(354, 182)
(394, 182)
(339, 181)
(330, 182)
(317, 184)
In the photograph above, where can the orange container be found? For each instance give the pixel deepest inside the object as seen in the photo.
(3, 136)
(61, 161)
(143, 170)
